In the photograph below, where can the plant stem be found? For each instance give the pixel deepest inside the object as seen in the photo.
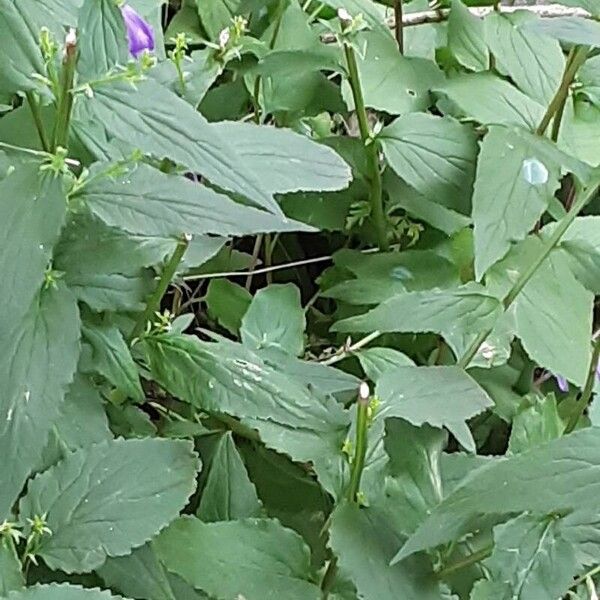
(65, 101)
(398, 25)
(467, 561)
(588, 388)
(37, 119)
(547, 246)
(375, 194)
(166, 277)
(360, 450)
(555, 109)
(348, 350)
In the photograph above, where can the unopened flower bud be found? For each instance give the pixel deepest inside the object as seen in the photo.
(344, 16)
(224, 37)
(364, 392)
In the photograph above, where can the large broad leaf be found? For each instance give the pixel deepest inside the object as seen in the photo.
(436, 156)
(466, 38)
(286, 161)
(102, 38)
(364, 544)
(158, 122)
(225, 377)
(570, 30)
(535, 425)
(515, 182)
(38, 361)
(62, 591)
(376, 361)
(565, 469)
(227, 492)
(440, 396)
(392, 82)
(275, 319)
(32, 213)
(106, 499)
(491, 101)
(148, 202)
(532, 557)
(11, 574)
(275, 563)
(534, 62)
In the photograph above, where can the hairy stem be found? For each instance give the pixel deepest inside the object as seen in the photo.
(548, 245)
(166, 277)
(555, 109)
(399, 25)
(34, 106)
(375, 193)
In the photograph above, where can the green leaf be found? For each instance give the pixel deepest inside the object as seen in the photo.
(29, 229)
(515, 181)
(38, 361)
(373, 13)
(565, 469)
(227, 303)
(227, 493)
(531, 555)
(158, 122)
(376, 361)
(440, 396)
(434, 155)
(102, 39)
(275, 319)
(111, 358)
(534, 62)
(148, 202)
(364, 543)
(491, 101)
(285, 161)
(11, 576)
(569, 30)
(392, 82)
(466, 38)
(216, 15)
(62, 591)
(225, 377)
(104, 500)
(275, 561)
(536, 424)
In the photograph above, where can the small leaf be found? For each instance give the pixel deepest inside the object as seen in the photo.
(466, 38)
(227, 303)
(535, 425)
(275, 562)
(275, 319)
(11, 575)
(106, 499)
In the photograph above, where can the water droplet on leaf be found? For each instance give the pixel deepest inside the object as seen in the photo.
(534, 171)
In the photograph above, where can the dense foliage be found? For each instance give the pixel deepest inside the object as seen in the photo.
(298, 302)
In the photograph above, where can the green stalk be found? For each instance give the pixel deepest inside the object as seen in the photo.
(166, 277)
(37, 119)
(375, 194)
(547, 246)
(65, 100)
(555, 109)
(467, 561)
(588, 388)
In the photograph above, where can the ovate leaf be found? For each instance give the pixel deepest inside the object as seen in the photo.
(275, 319)
(227, 303)
(274, 563)
(39, 358)
(11, 575)
(466, 38)
(535, 425)
(106, 499)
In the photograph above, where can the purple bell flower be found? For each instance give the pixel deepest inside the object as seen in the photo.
(562, 383)
(139, 33)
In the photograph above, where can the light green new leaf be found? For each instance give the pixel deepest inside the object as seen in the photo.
(285, 161)
(490, 100)
(515, 181)
(275, 319)
(534, 62)
(440, 396)
(156, 121)
(532, 557)
(39, 358)
(110, 356)
(364, 544)
(466, 38)
(11, 574)
(102, 38)
(63, 591)
(565, 469)
(227, 493)
(535, 425)
(148, 202)
(106, 499)
(32, 213)
(274, 563)
(225, 377)
(434, 155)
(392, 82)
(569, 30)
